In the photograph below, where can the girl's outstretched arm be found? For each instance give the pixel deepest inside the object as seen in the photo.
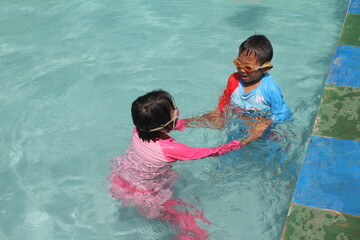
(174, 150)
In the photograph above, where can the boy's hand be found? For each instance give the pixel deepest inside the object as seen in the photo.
(215, 118)
(257, 131)
(212, 119)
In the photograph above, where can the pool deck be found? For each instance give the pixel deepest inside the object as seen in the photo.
(326, 201)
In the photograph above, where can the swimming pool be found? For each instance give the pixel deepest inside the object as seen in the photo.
(71, 70)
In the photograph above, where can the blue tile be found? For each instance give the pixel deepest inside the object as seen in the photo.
(345, 68)
(354, 7)
(330, 176)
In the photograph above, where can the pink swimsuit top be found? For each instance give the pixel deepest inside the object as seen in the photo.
(150, 162)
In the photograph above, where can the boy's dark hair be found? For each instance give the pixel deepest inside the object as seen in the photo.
(150, 111)
(258, 45)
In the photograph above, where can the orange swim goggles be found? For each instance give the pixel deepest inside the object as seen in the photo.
(248, 67)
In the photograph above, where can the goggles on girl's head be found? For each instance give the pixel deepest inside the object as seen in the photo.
(173, 120)
(249, 67)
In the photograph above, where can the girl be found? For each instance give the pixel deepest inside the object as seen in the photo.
(143, 176)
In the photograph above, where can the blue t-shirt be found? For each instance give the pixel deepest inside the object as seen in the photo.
(265, 97)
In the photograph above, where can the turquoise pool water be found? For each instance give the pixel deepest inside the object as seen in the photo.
(70, 70)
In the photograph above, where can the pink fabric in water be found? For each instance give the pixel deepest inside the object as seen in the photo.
(185, 221)
(127, 186)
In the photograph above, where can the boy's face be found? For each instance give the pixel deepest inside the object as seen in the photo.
(250, 60)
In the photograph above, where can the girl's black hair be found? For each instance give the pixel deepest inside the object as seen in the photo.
(258, 45)
(150, 111)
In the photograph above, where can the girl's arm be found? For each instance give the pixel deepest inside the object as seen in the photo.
(174, 150)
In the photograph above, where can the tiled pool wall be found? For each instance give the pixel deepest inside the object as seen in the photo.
(326, 201)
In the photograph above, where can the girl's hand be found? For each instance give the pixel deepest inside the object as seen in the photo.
(257, 131)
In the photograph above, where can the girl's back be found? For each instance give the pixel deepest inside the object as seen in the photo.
(144, 164)
(143, 177)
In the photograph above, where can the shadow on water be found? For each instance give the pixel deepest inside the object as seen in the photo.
(248, 17)
(253, 13)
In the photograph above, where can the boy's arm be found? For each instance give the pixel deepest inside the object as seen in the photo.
(232, 84)
(177, 151)
(280, 110)
(214, 118)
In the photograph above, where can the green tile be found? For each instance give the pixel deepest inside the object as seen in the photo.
(350, 34)
(305, 223)
(339, 113)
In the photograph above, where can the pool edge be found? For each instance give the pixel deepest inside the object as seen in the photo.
(324, 204)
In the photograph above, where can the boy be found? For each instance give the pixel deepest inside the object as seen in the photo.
(251, 88)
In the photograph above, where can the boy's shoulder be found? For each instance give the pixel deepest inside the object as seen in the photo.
(268, 80)
(269, 87)
(234, 79)
(234, 76)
